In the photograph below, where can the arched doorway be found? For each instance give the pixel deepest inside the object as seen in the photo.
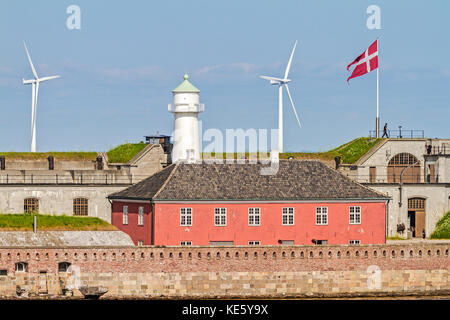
(416, 216)
(399, 162)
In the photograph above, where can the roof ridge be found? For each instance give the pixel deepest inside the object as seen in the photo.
(371, 151)
(167, 180)
(141, 153)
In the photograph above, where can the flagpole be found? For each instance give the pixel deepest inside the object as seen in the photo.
(378, 106)
(377, 122)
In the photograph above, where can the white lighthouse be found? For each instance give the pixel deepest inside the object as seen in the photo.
(186, 108)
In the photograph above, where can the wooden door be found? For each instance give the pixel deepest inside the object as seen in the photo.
(372, 174)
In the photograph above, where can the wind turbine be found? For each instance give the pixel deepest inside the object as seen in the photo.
(34, 96)
(283, 82)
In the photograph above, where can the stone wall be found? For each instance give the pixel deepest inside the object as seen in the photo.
(58, 199)
(266, 271)
(436, 203)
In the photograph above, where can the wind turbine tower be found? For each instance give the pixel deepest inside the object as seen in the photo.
(34, 96)
(280, 82)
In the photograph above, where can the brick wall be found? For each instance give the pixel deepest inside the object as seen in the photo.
(233, 271)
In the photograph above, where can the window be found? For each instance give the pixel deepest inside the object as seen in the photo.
(125, 214)
(80, 207)
(321, 215)
(185, 216)
(186, 243)
(220, 216)
(320, 242)
(21, 267)
(286, 242)
(140, 243)
(254, 243)
(3, 272)
(416, 203)
(221, 243)
(288, 216)
(63, 266)
(141, 216)
(354, 242)
(254, 217)
(31, 205)
(355, 215)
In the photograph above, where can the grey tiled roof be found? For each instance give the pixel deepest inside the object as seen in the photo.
(295, 180)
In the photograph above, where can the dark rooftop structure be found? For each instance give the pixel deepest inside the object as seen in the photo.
(295, 180)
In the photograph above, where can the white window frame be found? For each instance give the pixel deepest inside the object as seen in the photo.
(125, 215)
(353, 242)
(254, 243)
(185, 217)
(186, 243)
(286, 212)
(220, 217)
(141, 216)
(354, 212)
(140, 243)
(21, 267)
(254, 217)
(321, 213)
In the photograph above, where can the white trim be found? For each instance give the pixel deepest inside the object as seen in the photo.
(287, 215)
(124, 215)
(360, 215)
(185, 214)
(140, 216)
(322, 214)
(220, 217)
(254, 215)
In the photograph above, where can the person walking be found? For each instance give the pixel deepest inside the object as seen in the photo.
(423, 234)
(385, 129)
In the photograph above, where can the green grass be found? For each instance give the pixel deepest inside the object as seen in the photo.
(82, 155)
(24, 222)
(349, 152)
(125, 152)
(395, 238)
(442, 230)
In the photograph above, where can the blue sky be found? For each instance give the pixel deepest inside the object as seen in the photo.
(117, 71)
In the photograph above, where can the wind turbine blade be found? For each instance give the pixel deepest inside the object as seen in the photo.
(292, 103)
(271, 78)
(290, 61)
(48, 78)
(31, 62)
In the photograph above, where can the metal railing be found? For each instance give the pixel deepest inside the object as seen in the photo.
(60, 179)
(400, 134)
(443, 149)
(407, 178)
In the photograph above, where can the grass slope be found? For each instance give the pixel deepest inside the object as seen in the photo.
(82, 155)
(125, 152)
(442, 230)
(349, 152)
(24, 222)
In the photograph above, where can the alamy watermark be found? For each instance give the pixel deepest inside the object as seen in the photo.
(250, 146)
(74, 20)
(373, 277)
(374, 20)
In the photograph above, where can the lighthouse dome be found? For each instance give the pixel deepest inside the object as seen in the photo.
(186, 86)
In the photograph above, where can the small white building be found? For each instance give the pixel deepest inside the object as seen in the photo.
(186, 107)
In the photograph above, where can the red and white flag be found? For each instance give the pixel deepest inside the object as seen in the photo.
(366, 62)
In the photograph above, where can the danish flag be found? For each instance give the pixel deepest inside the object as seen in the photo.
(366, 62)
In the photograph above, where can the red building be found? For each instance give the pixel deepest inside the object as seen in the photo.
(304, 202)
